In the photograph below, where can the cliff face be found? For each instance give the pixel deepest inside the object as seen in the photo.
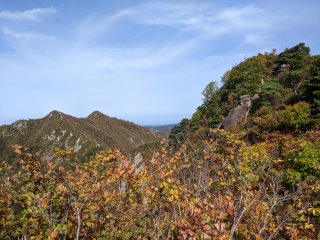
(83, 136)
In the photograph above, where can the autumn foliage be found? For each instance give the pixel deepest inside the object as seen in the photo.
(224, 188)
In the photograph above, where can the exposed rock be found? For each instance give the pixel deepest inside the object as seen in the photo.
(239, 114)
(123, 186)
(20, 125)
(137, 166)
(235, 116)
(138, 163)
(256, 96)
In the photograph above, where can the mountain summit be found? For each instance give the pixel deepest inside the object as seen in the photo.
(83, 136)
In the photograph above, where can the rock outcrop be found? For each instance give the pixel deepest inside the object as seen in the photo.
(239, 114)
(138, 166)
(138, 163)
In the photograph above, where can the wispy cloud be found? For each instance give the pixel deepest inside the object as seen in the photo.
(27, 15)
(146, 58)
(94, 25)
(190, 18)
(26, 36)
(201, 21)
(203, 18)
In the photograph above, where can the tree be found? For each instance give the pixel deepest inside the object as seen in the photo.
(178, 133)
(210, 90)
(312, 89)
(294, 61)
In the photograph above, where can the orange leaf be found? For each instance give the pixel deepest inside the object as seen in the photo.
(44, 203)
(54, 234)
(17, 148)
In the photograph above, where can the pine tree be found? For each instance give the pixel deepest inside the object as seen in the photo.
(312, 89)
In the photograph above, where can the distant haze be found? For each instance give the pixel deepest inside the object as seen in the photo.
(143, 61)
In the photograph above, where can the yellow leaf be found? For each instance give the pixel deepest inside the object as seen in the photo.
(17, 151)
(170, 180)
(170, 199)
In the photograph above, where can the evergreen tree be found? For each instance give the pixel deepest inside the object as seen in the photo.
(178, 132)
(312, 89)
(292, 64)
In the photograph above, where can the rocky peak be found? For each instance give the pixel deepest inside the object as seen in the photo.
(55, 114)
(21, 125)
(96, 114)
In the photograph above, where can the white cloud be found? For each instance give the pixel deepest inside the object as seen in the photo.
(201, 17)
(94, 25)
(26, 36)
(195, 18)
(203, 21)
(29, 15)
(146, 58)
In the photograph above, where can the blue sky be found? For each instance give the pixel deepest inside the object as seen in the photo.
(144, 61)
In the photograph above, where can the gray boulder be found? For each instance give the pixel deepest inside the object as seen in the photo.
(138, 166)
(138, 163)
(239, 114)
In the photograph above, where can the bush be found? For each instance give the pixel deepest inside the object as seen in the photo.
(304, 163)
(296, 116)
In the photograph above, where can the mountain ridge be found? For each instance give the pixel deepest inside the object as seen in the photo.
(83, 136)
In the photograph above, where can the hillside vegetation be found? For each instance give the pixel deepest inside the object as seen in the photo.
(287, 91)
(245, 166)
(83, 136)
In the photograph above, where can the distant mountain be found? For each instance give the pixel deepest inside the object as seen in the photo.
(84, 136)
(164, 129)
